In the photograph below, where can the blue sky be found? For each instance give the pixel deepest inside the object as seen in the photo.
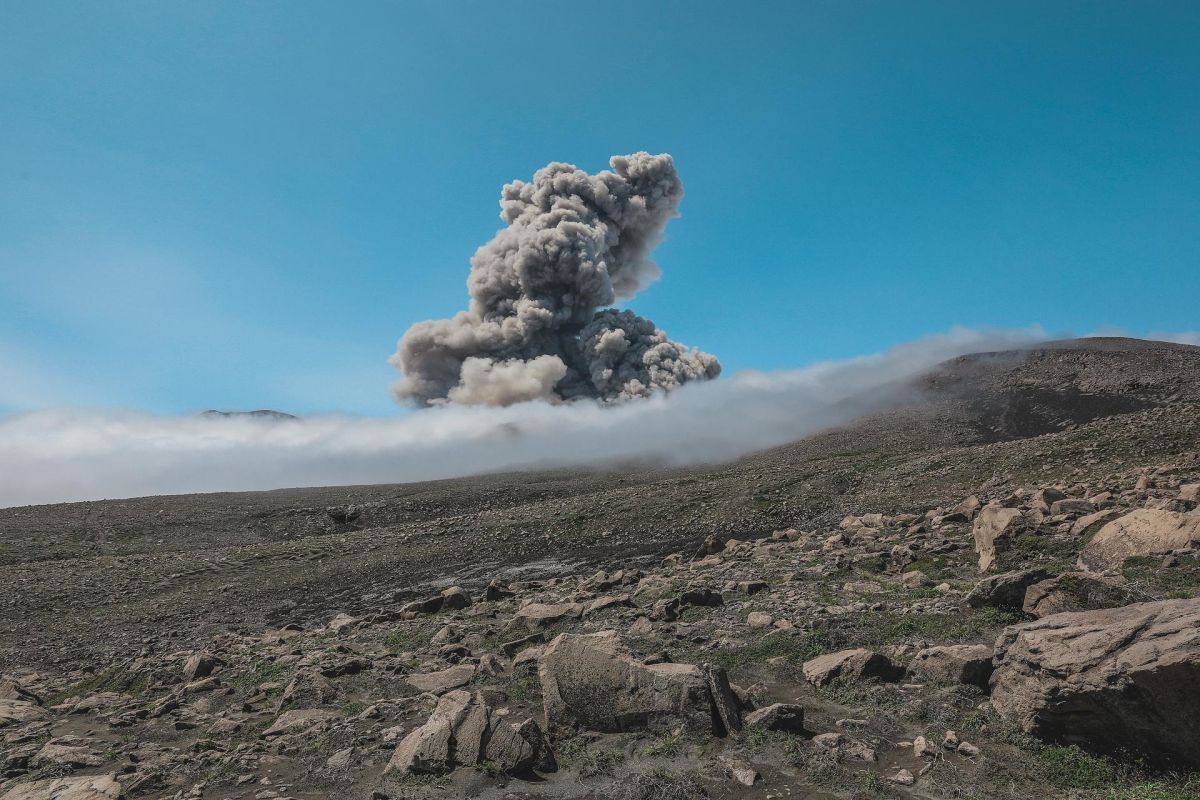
(244, 205)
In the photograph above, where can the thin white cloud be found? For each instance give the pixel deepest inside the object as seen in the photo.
(60, 455)
(1184, 337)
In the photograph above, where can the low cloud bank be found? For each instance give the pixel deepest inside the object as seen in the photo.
(64, 455)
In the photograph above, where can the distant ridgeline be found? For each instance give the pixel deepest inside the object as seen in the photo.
(262, 413)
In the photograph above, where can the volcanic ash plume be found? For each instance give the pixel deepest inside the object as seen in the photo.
(538, 326)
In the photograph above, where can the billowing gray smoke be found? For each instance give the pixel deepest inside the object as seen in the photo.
(538, 326)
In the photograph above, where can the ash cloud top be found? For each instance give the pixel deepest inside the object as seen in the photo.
(539, 326)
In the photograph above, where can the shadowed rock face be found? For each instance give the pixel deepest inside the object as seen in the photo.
(1077, 380)
(1114, 679)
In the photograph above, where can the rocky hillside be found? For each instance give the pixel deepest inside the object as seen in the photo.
(992, 593)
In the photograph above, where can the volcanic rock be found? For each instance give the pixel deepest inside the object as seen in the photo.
(1145, 532)
(854, 664)
(1122, 678)
(591, 682)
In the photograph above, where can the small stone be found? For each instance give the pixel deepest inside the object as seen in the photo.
(903, 778)
(340, 759)
(742, 772)
(199, 665)
(759, 619)
(786, 717)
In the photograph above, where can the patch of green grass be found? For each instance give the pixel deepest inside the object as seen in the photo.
(658, 785)
(1072, 768)
(573, 754)
(756, 739)
(523, 686)
(666, 746)
(1069, 767)
(937, 569)
(820, 766)
(794, 650)
(262, 671)
(1179, 582)
(877, 629)
(1056, 553)
(1185, 789)
(828, 595)
(354, 708)
(407, 638)
(876, 698)
(421, 780)
(109, 680)
(872, 786)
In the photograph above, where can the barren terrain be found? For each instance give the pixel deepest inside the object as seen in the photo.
(164, 641)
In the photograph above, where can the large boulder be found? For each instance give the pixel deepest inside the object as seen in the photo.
(592, 682)
(1121, 678)
(1145, 532)
(1087, 525)
(91, 787)
(1006, 590)
(533, 617)
(464, 730)
(857, 664)
(308, 689)
(955, 663)
(444, 680)
(450, 599)
(995, 528)
(1074, 507)
(1079, 591)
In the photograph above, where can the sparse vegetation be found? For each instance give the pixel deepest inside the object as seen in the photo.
(523, 687)
(877, 699)
(791, 650)
(588, 762)
(878, 629)
(666, 746)
(659, 785)
(1179, 582)
(260, 672)
(115, 679)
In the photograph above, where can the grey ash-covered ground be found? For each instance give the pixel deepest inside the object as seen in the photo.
(284, 644)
